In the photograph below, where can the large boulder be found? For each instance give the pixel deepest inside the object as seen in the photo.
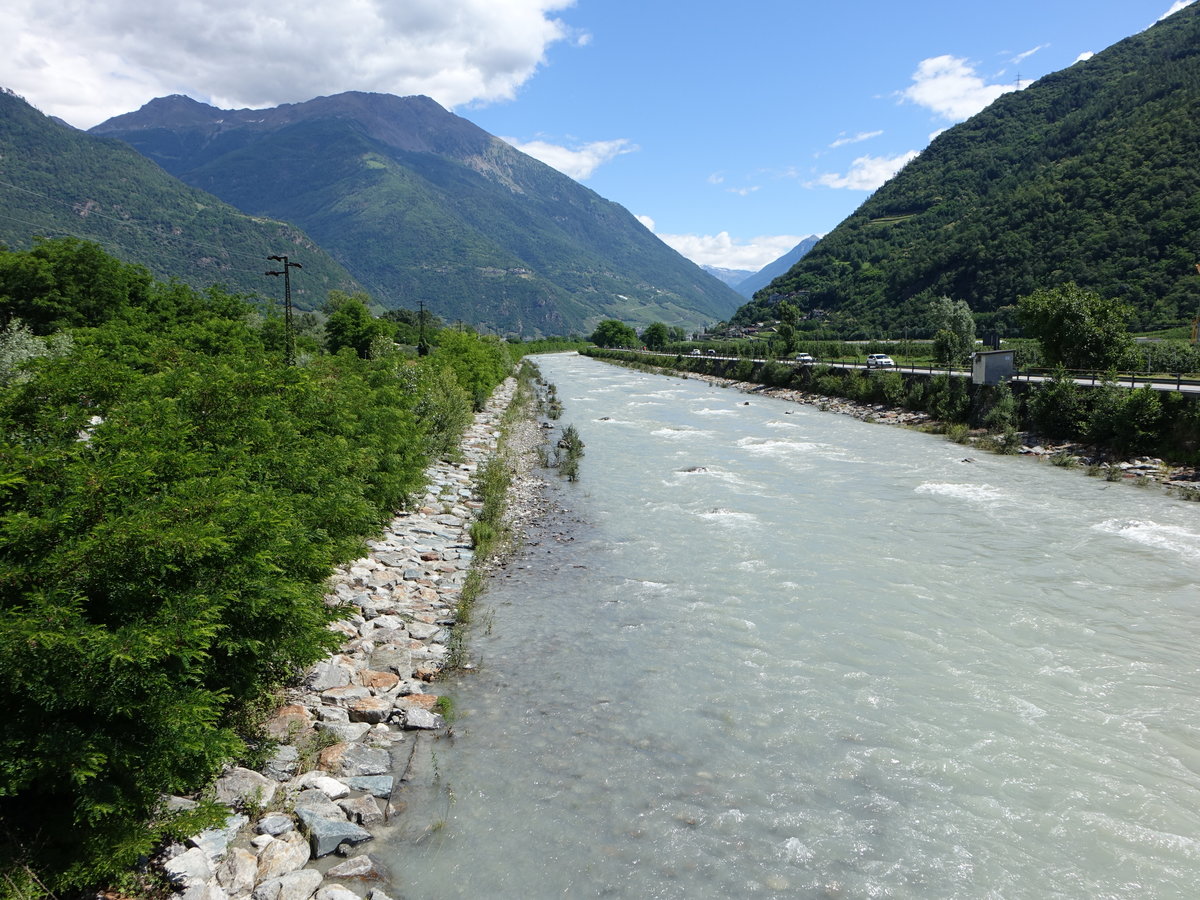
(287, 853)
(326, 835)
(239, 787)
(299, 885)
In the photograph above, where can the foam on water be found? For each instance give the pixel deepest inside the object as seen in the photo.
(974, 493)
(828, 679)
(1171, 538)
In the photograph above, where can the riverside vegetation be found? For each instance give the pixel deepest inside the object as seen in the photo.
(173, 499)
(1117, 421)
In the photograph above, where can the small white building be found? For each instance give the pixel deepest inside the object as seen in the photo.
(992, 366)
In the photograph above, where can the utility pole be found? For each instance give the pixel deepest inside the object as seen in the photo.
(289, 337)
(422, 347)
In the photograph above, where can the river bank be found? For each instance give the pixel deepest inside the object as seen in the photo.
(1183, 481)
(356, 736)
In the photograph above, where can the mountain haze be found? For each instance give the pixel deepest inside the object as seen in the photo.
(731, 277)
(420, 204)
(755, 281)
(1092, 175)
(56, 180)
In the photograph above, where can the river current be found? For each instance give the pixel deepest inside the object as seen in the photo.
(781, 652)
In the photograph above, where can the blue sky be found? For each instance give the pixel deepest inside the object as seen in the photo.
(732, 129)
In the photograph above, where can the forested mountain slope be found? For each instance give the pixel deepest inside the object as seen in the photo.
(420, 204)
(1091, 174)
(55, 181)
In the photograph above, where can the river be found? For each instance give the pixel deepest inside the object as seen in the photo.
(773, 651)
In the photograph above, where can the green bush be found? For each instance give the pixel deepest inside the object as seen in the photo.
(172, 500)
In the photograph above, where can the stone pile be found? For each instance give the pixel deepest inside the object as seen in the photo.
(355, 737)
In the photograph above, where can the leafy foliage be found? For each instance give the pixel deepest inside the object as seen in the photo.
(172, 500)
(63, 182)
(349, 324)
(1077, 328)
(611, 333)
(955, 330)
(422, 204)
(1091, 175)
(655, 336)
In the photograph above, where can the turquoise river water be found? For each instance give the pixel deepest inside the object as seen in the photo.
(833, 659)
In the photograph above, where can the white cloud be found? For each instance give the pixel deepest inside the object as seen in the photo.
(578, 162)
(85, 60)
(858, 138)
(950, 87)
(1086, 54)
(725, 251)
(744, 191)
(867, 172)
(1176, 7)
(1021, 57)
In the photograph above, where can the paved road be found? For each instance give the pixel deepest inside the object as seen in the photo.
(1157, 382)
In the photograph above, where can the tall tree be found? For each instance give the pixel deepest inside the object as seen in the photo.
(350, 323)
(1077, 329)
(954, 329)
(655, 336)
(611, 333)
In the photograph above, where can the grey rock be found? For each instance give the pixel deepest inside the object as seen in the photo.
(287, 853)
(422, 631)
(283, 763)
(275, 824)
(215, 841)
(299, 885)
(422, 719)
(326, 834)
(392, 659)
(375, 785)
(334, 714)
(336, 892)
(346, 694)
(188, 869)
(371, 710)
(360, 760)
(348, 731)
(362, 811)
(239, 786)
(329, 673)
(173, 804)
(362, 868)
(318, 791)
(238, 873)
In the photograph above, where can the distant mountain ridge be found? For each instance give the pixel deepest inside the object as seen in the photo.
(772, 270)
(731, 277)
(422, 205)
(1091, 175)
(57, 180)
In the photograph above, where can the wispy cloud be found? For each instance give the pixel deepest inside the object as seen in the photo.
(744, 191)
(843, 140)
(579, 161)
(1176, 7)
(867, 172)
(951, 88)
(1021, 57)
(727, 252)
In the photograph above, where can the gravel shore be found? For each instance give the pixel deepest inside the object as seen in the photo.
(356, 735)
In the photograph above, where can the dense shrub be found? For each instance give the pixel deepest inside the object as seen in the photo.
(172, 499)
